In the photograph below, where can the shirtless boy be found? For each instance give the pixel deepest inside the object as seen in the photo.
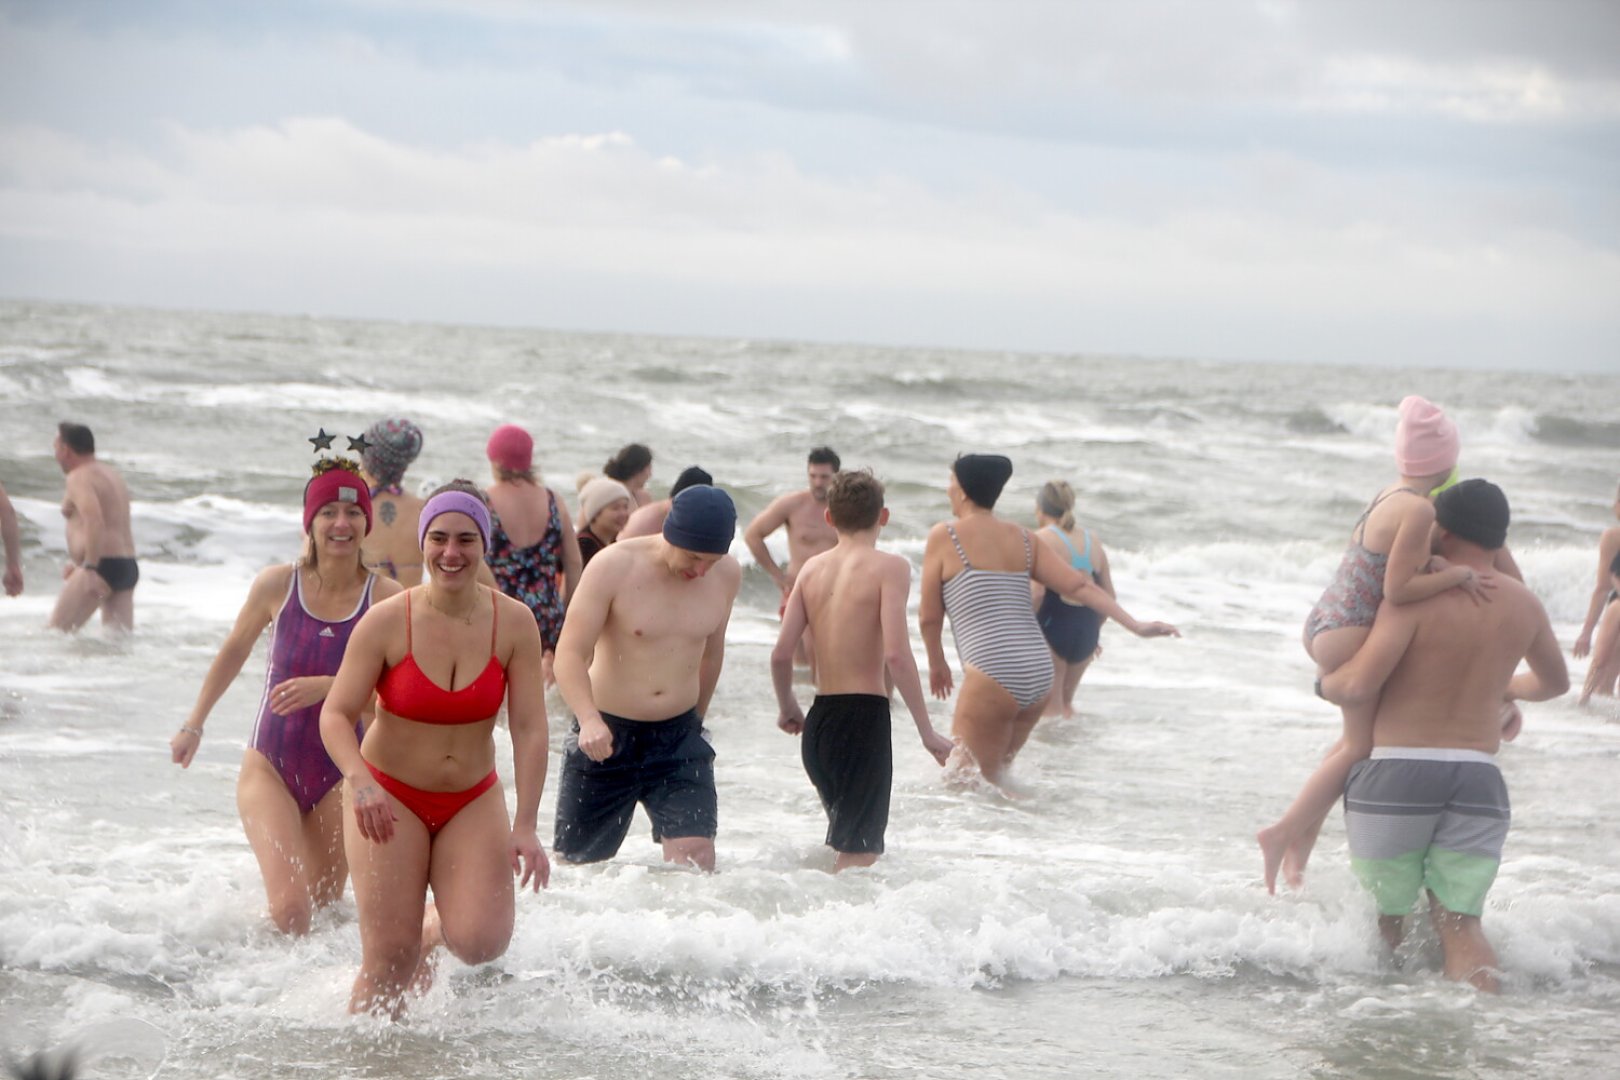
(640, 653)
(854, 599)
(101, 572)
(803, 512)
(1429, 809)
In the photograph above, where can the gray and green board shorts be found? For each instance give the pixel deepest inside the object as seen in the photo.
(1422, 817)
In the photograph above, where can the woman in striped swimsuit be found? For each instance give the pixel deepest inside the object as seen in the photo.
(977, 569)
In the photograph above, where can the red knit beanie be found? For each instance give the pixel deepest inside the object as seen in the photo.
(336, 485)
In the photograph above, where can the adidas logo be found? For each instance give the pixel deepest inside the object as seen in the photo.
(326, 631)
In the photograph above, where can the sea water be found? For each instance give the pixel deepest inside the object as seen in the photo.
(1111, 922)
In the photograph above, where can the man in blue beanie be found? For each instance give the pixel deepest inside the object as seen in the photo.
(637, 663)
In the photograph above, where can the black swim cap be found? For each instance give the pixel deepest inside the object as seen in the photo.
(691, 476)
(1476, 511)
(701, 519)
(982, 476)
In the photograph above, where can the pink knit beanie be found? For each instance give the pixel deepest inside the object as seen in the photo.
(511, 448)
(1425, 440)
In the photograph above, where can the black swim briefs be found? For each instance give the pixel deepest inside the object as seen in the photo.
(665, 765)
(118, 571)
(850, 759)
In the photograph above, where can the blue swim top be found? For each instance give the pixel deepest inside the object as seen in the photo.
(1080, 560)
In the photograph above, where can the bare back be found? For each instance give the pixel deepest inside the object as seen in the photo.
(102, 484)
(391, 547)
(1448, 687)
(524, 509)
(843, 590)
(990, 544)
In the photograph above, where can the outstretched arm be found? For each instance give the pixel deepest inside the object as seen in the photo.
(256, 613)
(1055, 573)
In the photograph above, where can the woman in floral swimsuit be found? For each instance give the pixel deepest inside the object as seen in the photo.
(533, 552)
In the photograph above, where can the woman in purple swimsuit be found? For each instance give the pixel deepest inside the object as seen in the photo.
(287, 792)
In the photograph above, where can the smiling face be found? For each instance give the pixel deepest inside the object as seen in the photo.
(609, 521)
(452, 548)
(338, 528)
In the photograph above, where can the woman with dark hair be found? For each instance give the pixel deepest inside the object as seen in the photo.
(977, 569)
(424, 807)
(632, 467)
(287, 791)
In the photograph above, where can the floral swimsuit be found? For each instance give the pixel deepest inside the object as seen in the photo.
(532, 574)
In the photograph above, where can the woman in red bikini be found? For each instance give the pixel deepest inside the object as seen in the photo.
(424, 807)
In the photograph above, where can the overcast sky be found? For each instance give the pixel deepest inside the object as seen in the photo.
(1403, 182)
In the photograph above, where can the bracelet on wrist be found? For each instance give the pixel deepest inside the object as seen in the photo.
(189, 730)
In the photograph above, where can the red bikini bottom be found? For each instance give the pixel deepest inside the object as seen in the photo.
(433, 808)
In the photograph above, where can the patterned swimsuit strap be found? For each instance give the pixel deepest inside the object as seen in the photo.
(959, 552)
(1359, 533)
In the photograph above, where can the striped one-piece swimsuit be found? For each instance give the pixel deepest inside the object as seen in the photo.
(995, 628)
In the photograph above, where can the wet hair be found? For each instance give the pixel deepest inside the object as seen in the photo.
(691, 476)
(854, 500)
(76, 437)
(1056, 501)
(824, 455)
(512, 476)
(630, 460)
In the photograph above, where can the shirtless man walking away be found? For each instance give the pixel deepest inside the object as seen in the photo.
(804, 514)
(854, 597)
(640, 653)
(1429, 809)
(101, 549)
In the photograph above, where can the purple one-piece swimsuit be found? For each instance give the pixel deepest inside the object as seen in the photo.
(301, 645)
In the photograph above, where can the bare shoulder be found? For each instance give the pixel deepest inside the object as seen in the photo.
(1413, 511)
(890, 565)
(384, 587)
(271, 584)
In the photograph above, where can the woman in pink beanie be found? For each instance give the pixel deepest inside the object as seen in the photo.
(533, 551)
(1388, 558)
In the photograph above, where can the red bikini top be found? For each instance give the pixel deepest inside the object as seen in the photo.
(407, 692)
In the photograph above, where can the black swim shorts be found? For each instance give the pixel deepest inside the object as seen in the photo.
(665, 765)
(118, 571)
(850, 759)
